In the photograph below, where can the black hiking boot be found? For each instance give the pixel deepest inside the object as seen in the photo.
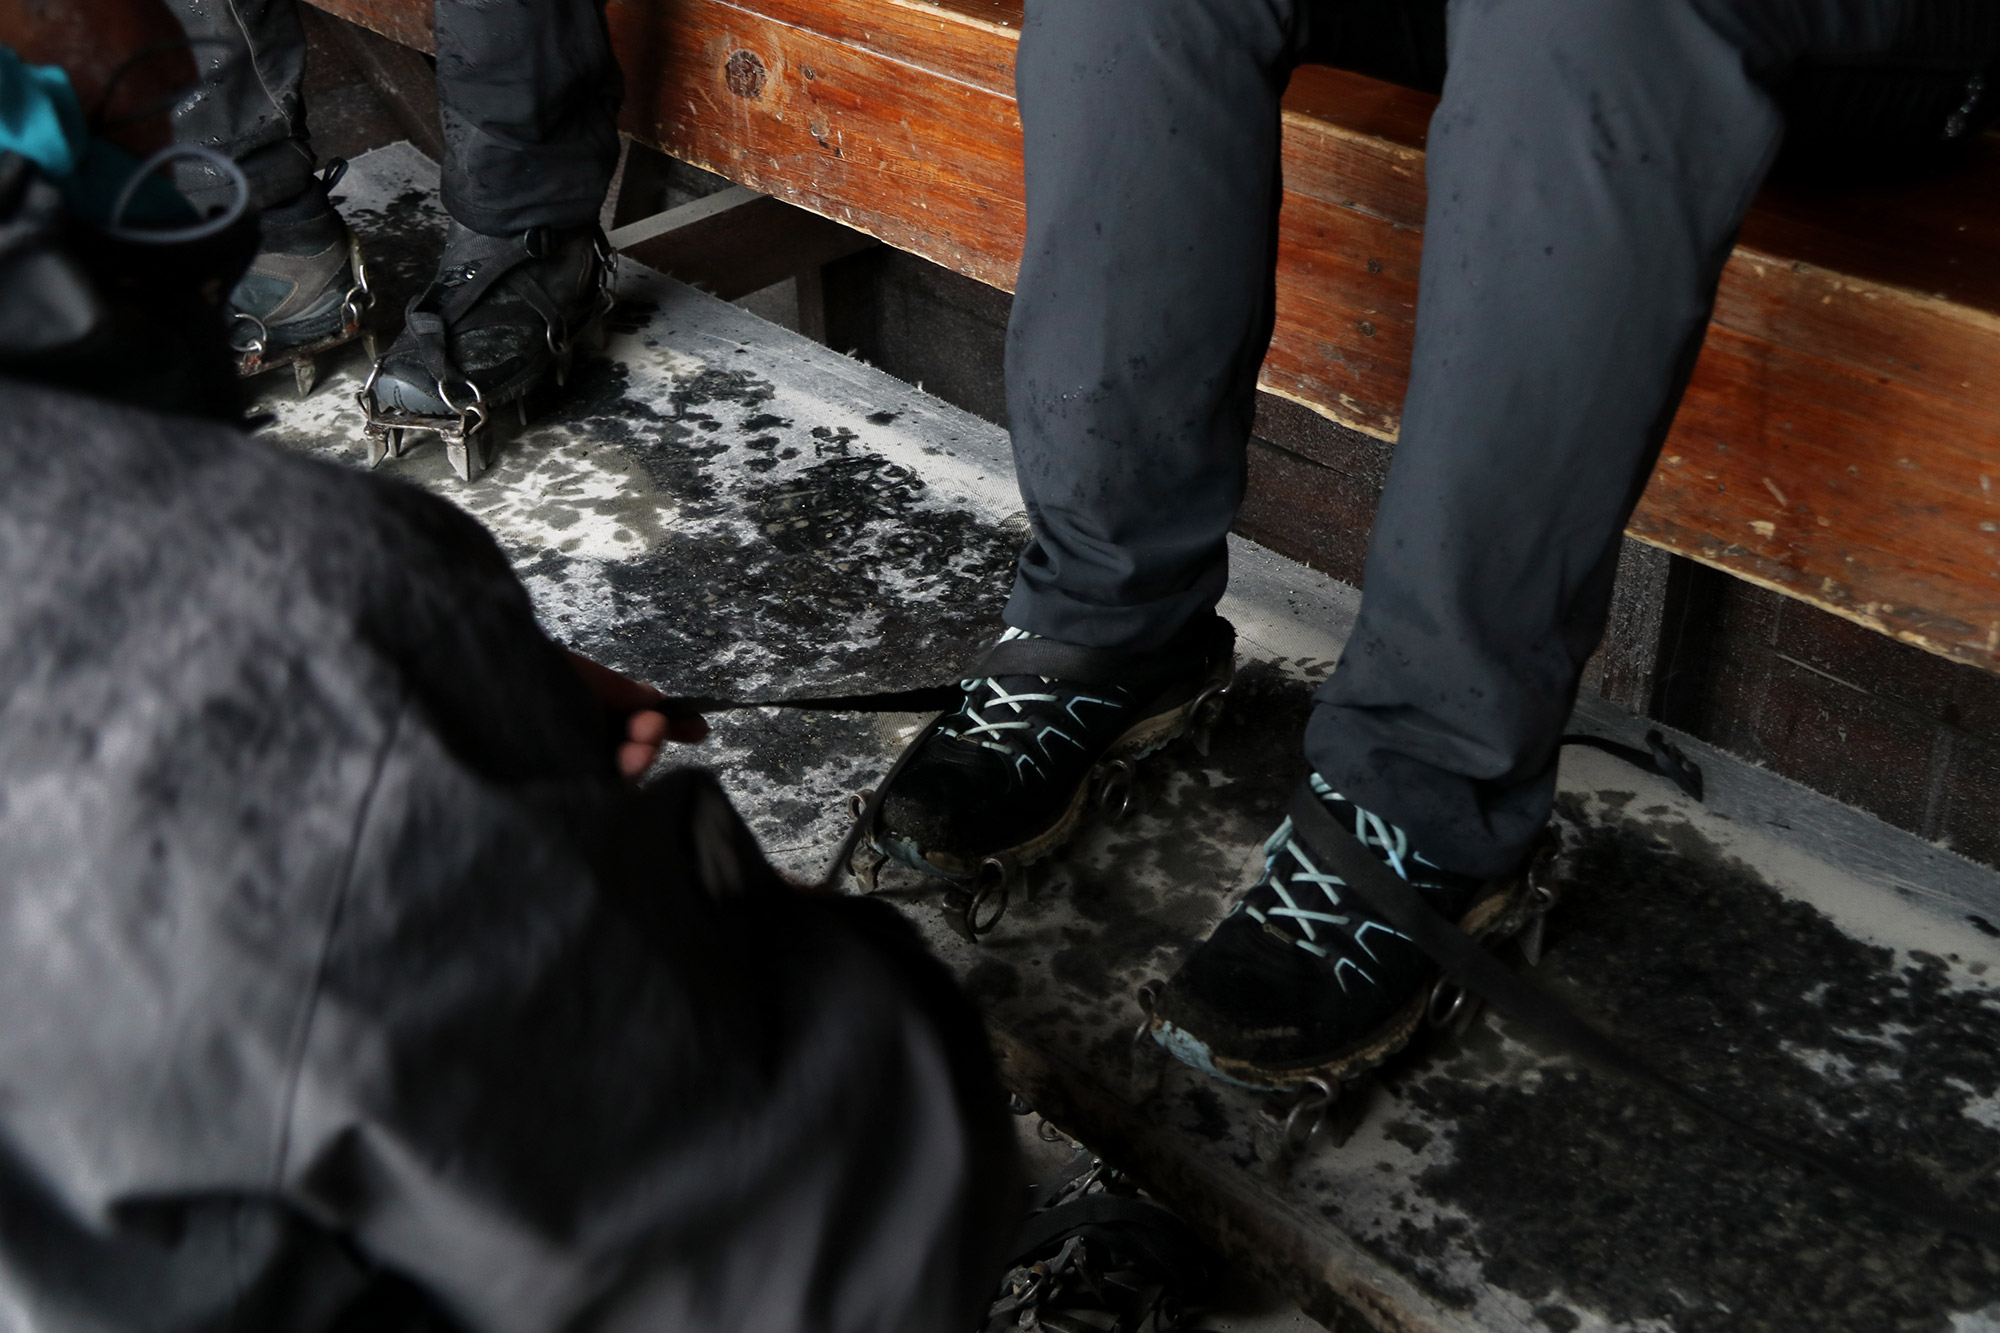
(501, 315)
(306, 292)
(1303, 984)
(1043, 727)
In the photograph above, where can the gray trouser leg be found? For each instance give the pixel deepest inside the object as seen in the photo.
(529, 93)
(252, 56)
(1144, 303)
(1145, 298)
(1588, 169)
(528, 89)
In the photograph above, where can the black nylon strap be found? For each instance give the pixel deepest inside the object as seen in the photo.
(1201, 643)
(924, 699)
(439, 304)
(1473, 967)
(1661, 756)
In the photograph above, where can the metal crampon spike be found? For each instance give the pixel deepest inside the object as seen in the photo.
(378, 447)
(1530, 938)
(867, 867)
(305, 371)
(1148, 1062)
(1541, 899)
(867, 860)
(459, 451)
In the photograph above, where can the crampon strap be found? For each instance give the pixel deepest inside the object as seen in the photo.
(925, 699)
(1010, 657)
(1661, 757)
(481, 262)
(1479, 971)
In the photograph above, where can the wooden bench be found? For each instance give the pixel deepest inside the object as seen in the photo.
(1840, 441)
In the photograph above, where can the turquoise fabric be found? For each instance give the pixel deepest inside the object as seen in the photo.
(41, 119)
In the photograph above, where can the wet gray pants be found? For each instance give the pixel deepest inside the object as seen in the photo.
(528, 90)
(1588, 169)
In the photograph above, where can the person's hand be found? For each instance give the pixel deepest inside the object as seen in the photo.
(646, 729)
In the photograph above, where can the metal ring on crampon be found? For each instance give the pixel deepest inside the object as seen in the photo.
(991, 884)
(255, 347)
(1114, 790)
(1448, 1003)
(857, 804)
(470, 417)
(1203, 714)
(1304, 1119)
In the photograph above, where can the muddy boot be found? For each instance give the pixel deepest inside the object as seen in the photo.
(306, 292)
(499, 318)
(1043, 730)
(1302, 984)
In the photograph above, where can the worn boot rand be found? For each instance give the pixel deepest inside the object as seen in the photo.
(501, 314)
(306, 292)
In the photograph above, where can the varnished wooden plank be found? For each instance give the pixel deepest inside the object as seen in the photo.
(1853, 330)
(971, 41)
(1936, 234)
(1347, 308)
(1859, 494)
(931, 165)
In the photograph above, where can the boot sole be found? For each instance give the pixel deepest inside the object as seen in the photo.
(1145, 737)
(1498, 916)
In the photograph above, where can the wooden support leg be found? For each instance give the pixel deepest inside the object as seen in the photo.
(1626, 667)
(812, 304)
(737, 241)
